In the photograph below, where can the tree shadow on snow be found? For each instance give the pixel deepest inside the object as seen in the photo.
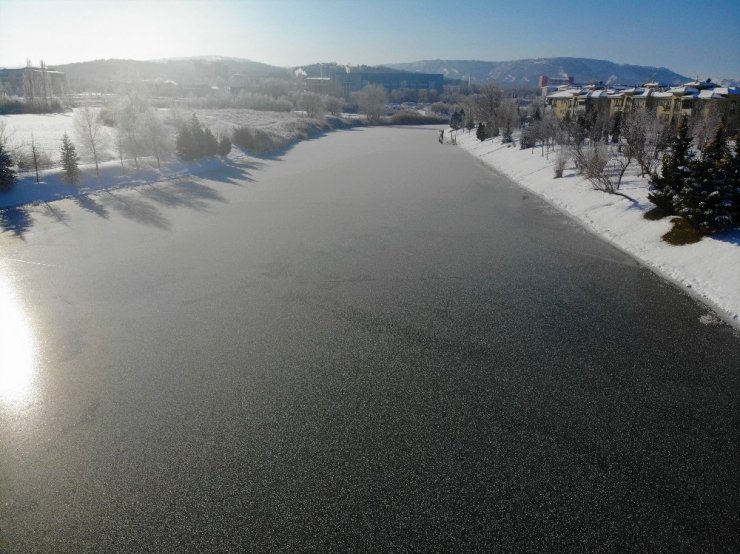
(138, 210)
(731, 236)
(88, 203)
(184, 193)
(54, 212)
(15, 220)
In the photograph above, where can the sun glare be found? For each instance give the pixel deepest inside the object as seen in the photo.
(16, 350)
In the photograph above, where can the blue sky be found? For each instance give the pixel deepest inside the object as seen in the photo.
(697, 38)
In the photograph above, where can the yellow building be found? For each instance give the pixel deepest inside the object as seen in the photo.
(669, 104)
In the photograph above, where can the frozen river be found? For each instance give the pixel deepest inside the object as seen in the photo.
(370, 342)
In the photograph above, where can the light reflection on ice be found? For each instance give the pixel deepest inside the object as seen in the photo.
(17, 350)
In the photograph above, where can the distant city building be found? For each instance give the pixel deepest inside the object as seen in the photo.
(33, 82)
(344, 82)
(555, 81)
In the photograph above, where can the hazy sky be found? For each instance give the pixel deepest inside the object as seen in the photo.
(695, 38)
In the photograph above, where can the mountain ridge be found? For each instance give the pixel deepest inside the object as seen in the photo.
(526, 72)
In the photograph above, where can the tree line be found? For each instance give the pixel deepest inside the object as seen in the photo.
(692, 166)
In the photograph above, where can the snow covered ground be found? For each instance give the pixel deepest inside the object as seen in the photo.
(709, 270)
(47, 129)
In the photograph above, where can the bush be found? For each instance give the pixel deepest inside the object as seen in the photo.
(256, 140)
(560, 162)
(410, 117)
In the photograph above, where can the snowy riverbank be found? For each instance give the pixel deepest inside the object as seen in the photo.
(708, 270)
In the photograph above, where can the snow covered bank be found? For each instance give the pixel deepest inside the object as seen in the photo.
(709, 270)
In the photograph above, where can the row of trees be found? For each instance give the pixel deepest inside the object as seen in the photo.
(69, 163)
(695, 177)
(195, 141)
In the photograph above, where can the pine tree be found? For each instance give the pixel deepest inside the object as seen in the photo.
(224, 147)
(210, 144)
(733, 176)
(185, 146)
(481, 133)
(70, 161)
(675, 170)
(706, 198)
(508, 131)
(469, 121)
(8, 176)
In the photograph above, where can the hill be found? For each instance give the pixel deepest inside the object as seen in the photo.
(185, 71)
(527, 72)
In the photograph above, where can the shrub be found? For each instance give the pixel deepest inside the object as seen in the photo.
(410, 117)
(560, 162)
(256, 140)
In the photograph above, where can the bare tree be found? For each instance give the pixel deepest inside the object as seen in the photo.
(91, 135)
(35, 157)
(704, 123)
(605, 167)
(640, 133)
(372, 101)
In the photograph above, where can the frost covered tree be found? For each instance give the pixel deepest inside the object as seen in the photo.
(90, 134)
(8, 176)
(312, 103)
(333, 105)
(154, 136)
(640, 132)
(704, 123)
(706, 197)
(70, 161)
(675, 169)
(371, 101)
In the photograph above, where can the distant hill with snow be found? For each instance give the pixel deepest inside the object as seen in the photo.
(527, 72)
(185, 71)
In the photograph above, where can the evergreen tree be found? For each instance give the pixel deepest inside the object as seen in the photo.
(469, 121)
(8, 176)
(481, 133)
(507, 136)
(675, 169)
(224, 147)
(616, 127)
(210, 144)
(70, 161)
(185, 146)
(706, 197)
(733, 175)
